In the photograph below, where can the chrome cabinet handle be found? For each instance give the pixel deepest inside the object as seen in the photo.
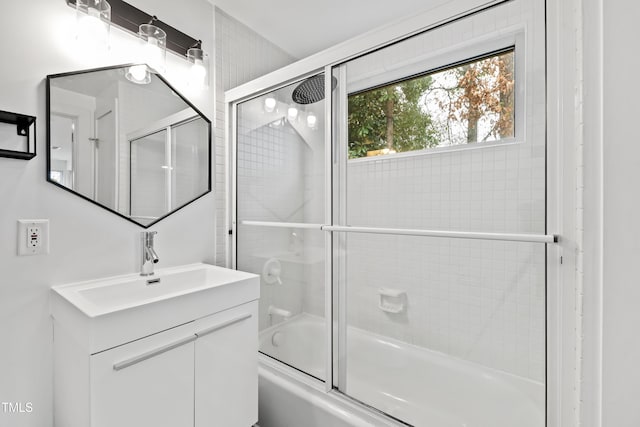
(222, 325)
(152, 353)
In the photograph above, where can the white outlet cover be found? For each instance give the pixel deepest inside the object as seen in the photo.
(23, 238)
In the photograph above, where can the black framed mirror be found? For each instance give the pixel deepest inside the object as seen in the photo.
(121, 137)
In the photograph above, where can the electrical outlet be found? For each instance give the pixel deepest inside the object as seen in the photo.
(33, 236)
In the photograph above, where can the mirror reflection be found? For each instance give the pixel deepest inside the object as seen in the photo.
(135, 147)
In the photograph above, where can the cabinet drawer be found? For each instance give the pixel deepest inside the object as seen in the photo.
(148, 382)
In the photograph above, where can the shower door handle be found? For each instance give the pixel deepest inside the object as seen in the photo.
(506, 237)
(278, 224)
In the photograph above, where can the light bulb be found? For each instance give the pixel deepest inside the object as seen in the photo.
(197, 74)
(311, 120)
(292, 113)
(91, 29)
(197, 77)
(269, 104)
(152, 53)
(138, 74)
(93, 18)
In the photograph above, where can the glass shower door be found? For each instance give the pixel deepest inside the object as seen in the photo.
(280, 207)
(439, 232)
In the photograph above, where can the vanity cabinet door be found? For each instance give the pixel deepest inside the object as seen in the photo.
(148, 382)
(227, 368)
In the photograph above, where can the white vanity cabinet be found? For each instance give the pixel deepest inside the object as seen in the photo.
(191, 361)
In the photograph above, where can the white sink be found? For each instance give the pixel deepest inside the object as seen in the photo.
(106, 312)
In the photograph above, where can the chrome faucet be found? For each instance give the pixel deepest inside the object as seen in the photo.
(149, 255)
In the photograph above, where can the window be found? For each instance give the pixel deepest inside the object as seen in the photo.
(471, 102)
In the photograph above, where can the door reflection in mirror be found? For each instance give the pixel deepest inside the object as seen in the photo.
(164, 158)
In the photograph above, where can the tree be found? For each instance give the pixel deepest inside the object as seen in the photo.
(472, 102)
(390, 117)
(482, 92)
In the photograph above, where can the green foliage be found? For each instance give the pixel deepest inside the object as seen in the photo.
(371, 111)
(468, 103)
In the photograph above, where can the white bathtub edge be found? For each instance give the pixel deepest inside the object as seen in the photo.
(311, 390)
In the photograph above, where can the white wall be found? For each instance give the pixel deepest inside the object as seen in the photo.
(595, 47)
(621, 203)
(564, 164)
(86, 241)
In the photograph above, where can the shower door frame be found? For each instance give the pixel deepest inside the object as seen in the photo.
(325, 64)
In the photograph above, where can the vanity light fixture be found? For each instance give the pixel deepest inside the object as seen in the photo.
(93, 22)
(269, 104)
(128, 18)
(199, 71)
(156, 37)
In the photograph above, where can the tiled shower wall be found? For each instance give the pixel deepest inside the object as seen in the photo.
(271, 167)
(477, 300)
(241, 55)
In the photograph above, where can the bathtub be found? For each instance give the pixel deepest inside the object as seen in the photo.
(418, 386)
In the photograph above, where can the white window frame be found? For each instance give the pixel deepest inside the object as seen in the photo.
(464, 52)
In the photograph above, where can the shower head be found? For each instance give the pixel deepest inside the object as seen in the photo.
(311, 90)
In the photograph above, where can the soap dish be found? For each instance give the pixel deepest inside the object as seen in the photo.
(392, 300)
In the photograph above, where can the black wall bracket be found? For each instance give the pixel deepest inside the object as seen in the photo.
(25, 127)
(129, 18)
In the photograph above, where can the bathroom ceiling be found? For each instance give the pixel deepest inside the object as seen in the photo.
(302, 28)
